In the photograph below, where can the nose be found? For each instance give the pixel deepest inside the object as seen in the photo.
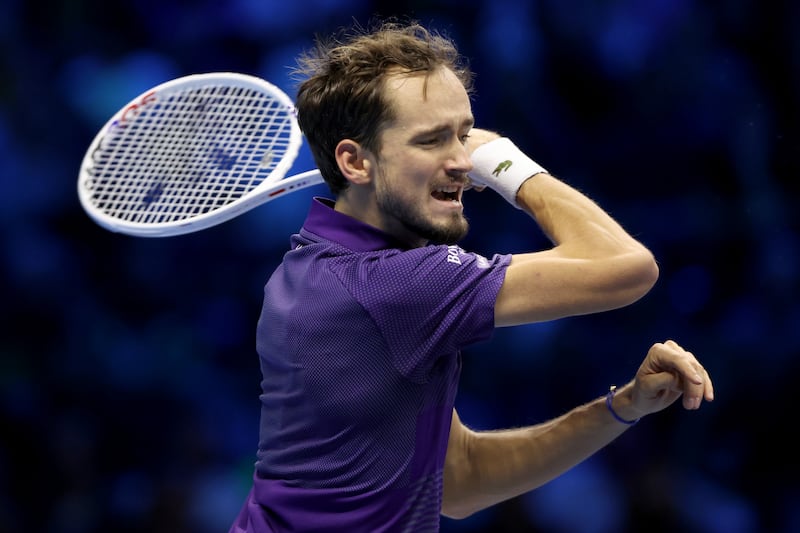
(459, 162)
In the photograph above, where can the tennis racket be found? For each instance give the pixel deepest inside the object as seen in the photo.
(192, 153)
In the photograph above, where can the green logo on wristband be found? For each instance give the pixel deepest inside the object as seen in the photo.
(502, 167)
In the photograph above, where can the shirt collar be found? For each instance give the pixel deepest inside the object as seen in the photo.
(323, 220)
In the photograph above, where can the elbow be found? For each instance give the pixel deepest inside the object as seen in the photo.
(642, 274)
(461, 494)
(626, 280)
(457, 512)
(458, 502)
(648, 272)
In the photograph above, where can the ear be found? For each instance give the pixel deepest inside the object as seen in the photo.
(354, 162)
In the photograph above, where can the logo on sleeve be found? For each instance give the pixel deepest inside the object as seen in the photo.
(481, 262)
(453, 254)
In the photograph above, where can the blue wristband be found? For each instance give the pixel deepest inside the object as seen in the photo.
(609, 397)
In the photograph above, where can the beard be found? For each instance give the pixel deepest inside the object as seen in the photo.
(411, 217)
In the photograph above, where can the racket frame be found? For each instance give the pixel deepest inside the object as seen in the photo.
(274, 185)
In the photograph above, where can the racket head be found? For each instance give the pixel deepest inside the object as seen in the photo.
(190, 153)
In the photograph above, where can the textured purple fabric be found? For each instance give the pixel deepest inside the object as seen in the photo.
(359, 341)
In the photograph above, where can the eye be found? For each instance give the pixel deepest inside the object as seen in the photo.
(464, 138)
(429, 141)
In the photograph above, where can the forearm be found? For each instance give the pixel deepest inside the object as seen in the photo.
(568, 217)
(499, 465)
(572, 220)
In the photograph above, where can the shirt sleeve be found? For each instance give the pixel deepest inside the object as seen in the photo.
(429, 302)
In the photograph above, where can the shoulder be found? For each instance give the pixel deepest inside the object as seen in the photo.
(431, 272)
(446, 259)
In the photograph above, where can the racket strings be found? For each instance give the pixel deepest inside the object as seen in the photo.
(189, 153)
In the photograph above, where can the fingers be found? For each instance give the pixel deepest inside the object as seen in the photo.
(476, 186)
(693, 379)
(681, 374)
(479, 136)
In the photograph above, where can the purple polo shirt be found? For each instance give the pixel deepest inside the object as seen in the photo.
(359, 341)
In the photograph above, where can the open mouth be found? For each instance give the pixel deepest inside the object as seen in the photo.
(447, 194)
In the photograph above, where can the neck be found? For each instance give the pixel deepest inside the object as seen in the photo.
(359, 203)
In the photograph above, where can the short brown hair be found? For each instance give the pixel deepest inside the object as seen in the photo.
(342, 94)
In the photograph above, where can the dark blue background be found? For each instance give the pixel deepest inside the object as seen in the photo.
(128, 376)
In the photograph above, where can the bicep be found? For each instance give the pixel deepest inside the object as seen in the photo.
(547, 285)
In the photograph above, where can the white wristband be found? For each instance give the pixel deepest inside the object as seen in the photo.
(501, 166)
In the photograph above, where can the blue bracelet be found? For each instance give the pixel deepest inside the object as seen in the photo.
(609, 397)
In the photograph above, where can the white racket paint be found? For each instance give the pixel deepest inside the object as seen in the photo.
(192, 153)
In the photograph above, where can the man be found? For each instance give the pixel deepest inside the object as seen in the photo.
(363, 322)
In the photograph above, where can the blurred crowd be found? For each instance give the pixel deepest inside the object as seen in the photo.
(128, 376)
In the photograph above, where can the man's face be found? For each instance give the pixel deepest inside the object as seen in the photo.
(422, 166)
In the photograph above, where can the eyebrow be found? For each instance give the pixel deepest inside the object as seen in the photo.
(466, 123)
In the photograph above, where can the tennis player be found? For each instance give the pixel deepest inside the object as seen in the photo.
(364, 320)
